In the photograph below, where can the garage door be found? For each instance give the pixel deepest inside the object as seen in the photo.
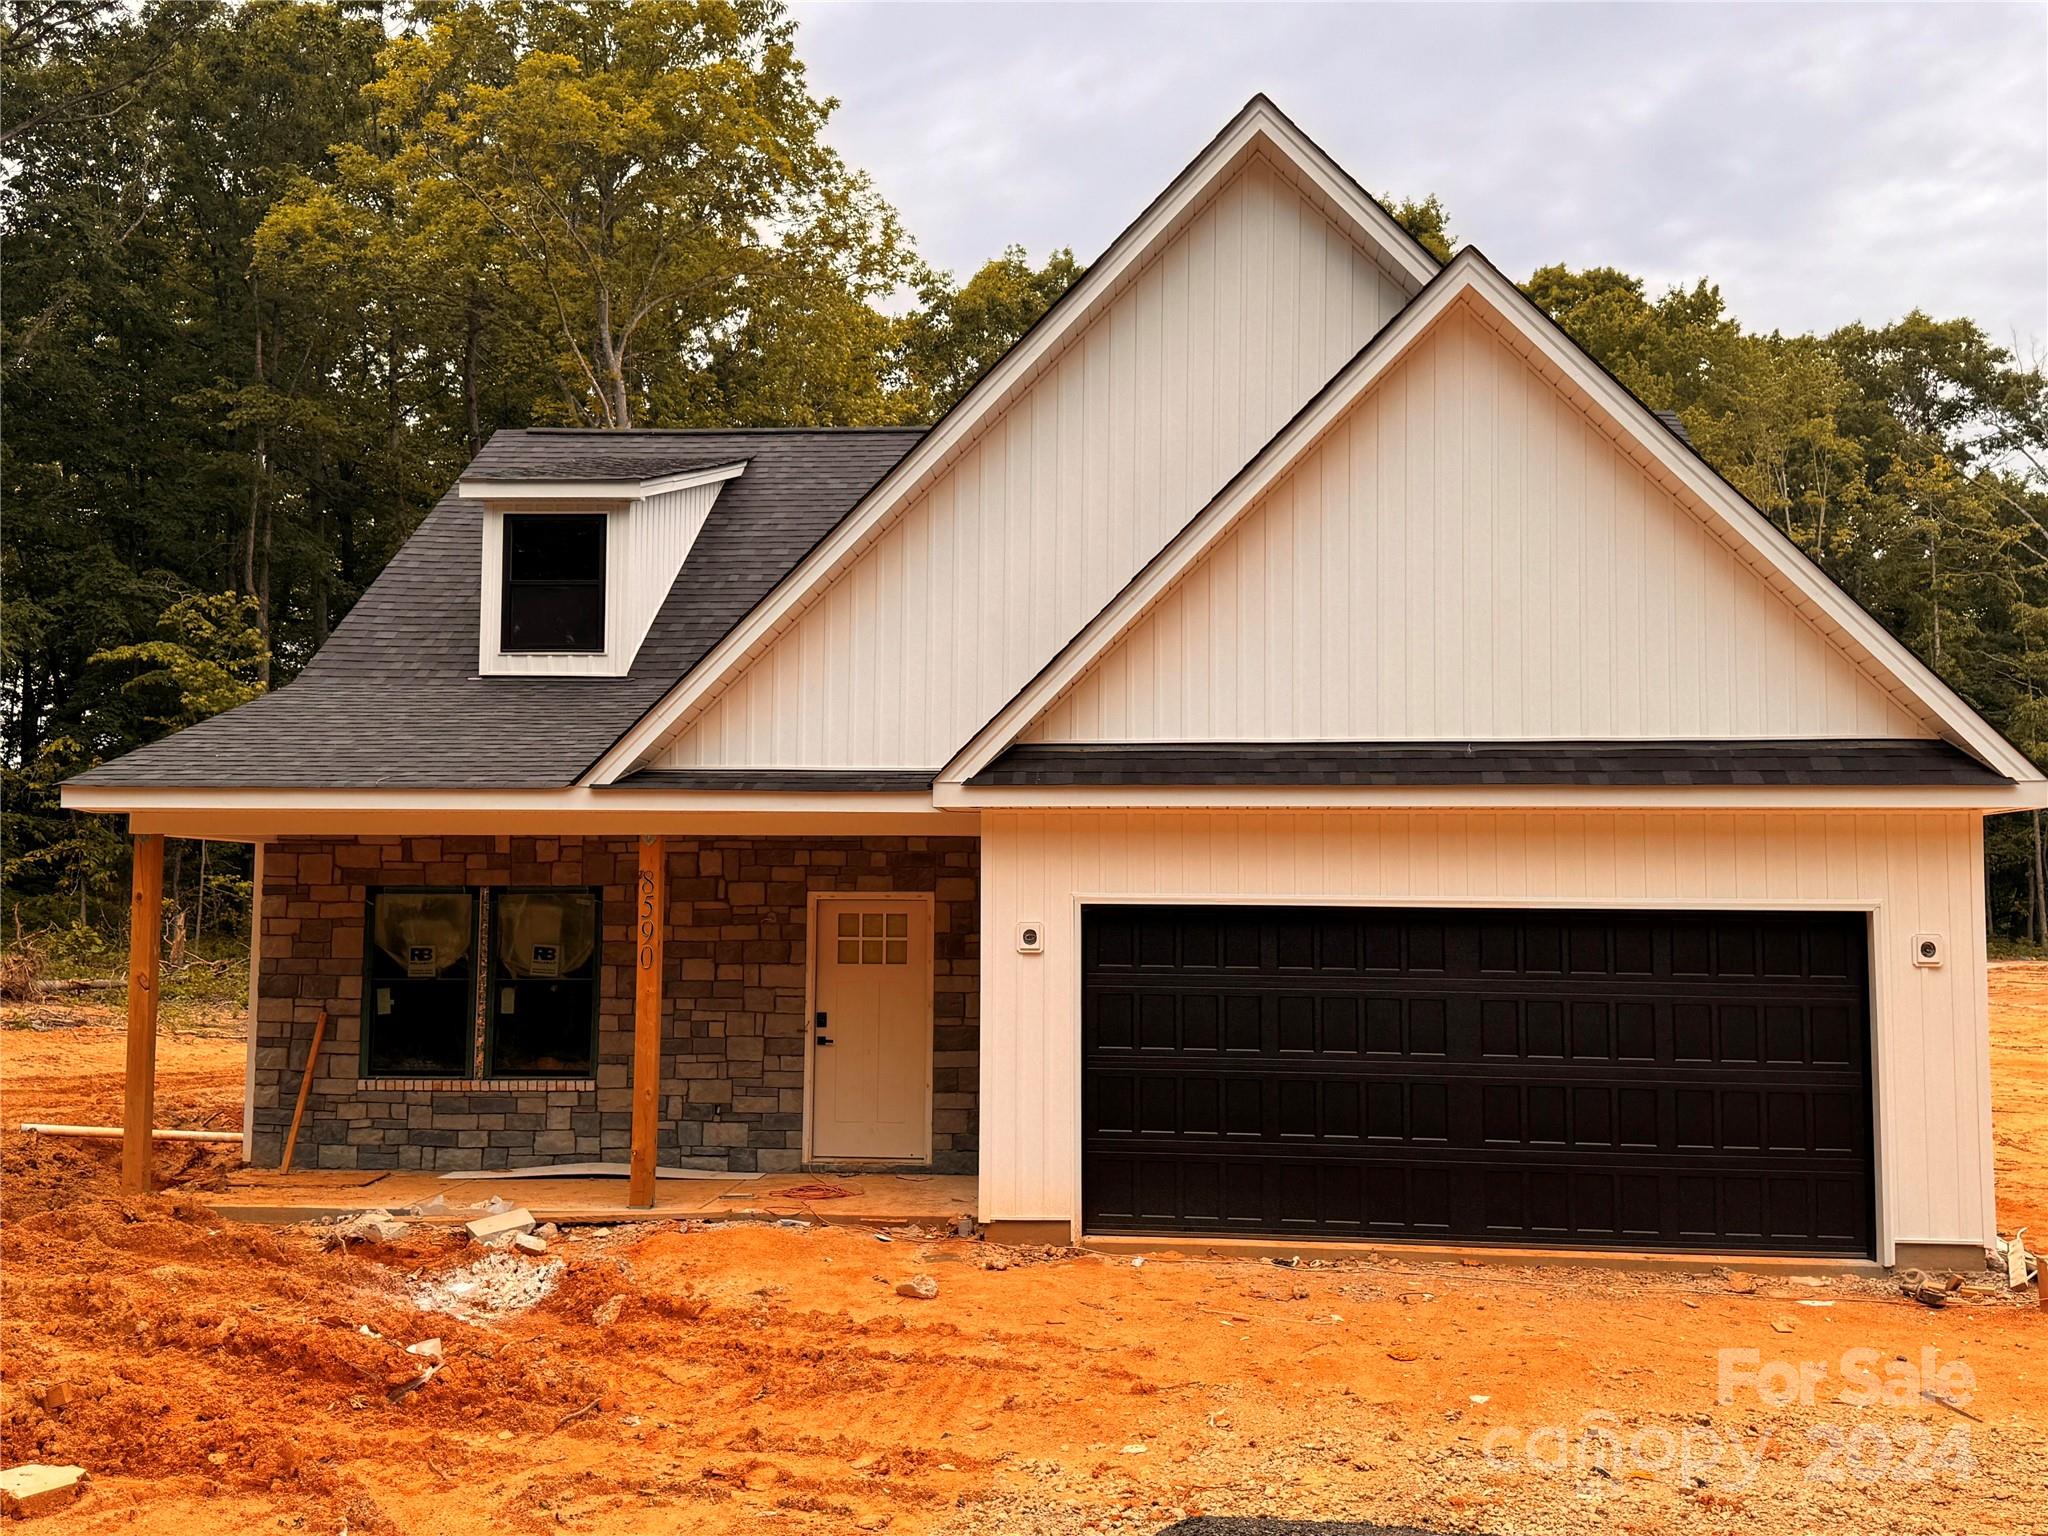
(1595, 1079)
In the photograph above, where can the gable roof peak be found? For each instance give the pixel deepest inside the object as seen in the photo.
(1471, 278)
(1259, 127)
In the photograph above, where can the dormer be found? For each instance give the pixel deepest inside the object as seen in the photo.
(574, 570)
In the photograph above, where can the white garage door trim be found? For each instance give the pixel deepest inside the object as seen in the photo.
(1880, 937)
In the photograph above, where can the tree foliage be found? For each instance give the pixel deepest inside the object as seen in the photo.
(960, 331)
(276, 269)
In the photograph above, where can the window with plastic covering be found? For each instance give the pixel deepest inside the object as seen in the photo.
(420, 987)
(544, 987)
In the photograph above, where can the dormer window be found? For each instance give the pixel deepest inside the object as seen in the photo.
(554, 583)
(575, 569)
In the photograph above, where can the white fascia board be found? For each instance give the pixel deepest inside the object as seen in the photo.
(593, 490)
(250, 815)
(1260, 125)
(1471, 276)
(574, 799)
(1671, 798)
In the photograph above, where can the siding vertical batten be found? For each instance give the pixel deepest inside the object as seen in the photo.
(1386, 540)
(1111, 405)
(1930, 1076)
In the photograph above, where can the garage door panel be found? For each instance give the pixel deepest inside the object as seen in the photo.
(1391, 1077)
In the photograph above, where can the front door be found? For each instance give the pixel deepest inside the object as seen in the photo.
(872, 1029)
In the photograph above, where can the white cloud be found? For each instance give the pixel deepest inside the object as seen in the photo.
(1823, 163)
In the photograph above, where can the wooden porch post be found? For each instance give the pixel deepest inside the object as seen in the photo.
(650, 912)
(145, 922)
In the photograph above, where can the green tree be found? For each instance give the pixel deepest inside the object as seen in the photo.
(1427, 220)
(208, 657)
(958, 333)
(646, 181)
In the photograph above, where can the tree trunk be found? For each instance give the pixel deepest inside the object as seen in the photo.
(472, 324)
(199, 901)
(1934, 593)
(259, 466)
(2038, 870)
(611, 365)
(323, 546)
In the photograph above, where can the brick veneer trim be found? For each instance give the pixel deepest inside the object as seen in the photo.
(734, 990)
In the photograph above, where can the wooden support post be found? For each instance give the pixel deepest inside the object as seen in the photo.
(650, 911)
(145, 922)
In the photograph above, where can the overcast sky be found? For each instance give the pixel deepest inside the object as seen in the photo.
(1823, 162)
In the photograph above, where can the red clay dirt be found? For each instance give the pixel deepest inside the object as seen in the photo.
(218, 1377)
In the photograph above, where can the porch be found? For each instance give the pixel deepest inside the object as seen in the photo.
(857, 1199)
(477, 1002)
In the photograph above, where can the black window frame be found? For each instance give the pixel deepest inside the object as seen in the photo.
(368, 1013)
(492, 980)
(508, 585)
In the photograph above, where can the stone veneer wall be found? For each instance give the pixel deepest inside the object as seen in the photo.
(734, 1025)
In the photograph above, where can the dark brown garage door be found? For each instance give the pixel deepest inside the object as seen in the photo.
(1597, 1079)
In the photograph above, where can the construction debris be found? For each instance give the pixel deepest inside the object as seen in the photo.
(398, 1392)
(1918, 1285)
(527, 1242)
(438, 1206)
(919, 1288)
(497, 1283)
(2021, 1267)
(606, 1312)
(34, 1489)
(378, 1226)
(502, 1226)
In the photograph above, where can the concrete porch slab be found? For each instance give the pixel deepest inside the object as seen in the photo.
(871, 1199)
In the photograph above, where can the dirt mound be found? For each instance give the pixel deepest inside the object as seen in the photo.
(43, 1173)
(148, 1338)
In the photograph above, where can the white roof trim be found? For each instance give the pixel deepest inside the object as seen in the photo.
(1668, 798)
(1471, 276)
(594, 490)
(947, 807)
(1260, 126)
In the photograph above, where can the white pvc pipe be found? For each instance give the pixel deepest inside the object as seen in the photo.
(114, 1133)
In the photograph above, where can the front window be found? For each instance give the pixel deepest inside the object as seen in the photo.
(544, 983)
(554, 582)
(422, 984)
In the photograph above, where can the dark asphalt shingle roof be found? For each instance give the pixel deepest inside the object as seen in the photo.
(811, 781)
(1477, 764)
(393, 700)
(545, 454)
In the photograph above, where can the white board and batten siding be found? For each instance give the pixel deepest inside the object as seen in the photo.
(1913, 872)
(1231, 327)
(1466, 557)
(646, 541)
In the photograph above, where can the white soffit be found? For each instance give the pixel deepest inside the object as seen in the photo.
(1472, 279)
(594, 490)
